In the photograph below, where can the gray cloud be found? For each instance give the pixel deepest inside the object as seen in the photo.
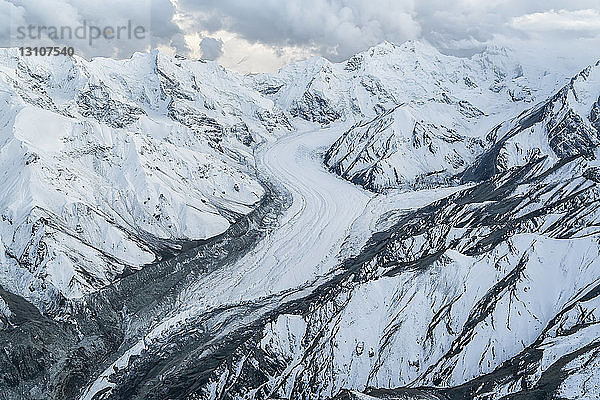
(462, 24)
(335, 29)
(211, 48)
(584, 22)
(154, 17)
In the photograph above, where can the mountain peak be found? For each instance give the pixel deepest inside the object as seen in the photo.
(417, 46)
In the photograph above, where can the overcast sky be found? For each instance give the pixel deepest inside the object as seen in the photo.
(263, 35)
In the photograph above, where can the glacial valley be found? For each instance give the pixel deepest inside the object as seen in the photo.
(401, 225)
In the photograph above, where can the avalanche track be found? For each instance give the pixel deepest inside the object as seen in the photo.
(224, 307)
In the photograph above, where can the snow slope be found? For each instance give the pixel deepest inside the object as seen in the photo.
(108, 165)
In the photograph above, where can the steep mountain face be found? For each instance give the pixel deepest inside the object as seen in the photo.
(398, 149)
(490, 292)
(109, 165)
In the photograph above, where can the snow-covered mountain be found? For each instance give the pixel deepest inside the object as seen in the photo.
(108, 165)
(479, 278)
(443, 103)
(400, 149)
(415, 72)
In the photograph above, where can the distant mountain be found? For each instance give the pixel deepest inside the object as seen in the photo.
(387, 75)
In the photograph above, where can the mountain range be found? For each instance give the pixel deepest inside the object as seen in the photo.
(402, 225)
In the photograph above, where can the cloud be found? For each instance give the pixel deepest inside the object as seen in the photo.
(154, 17)
(463, 24)
(211, 48)
(579, 21)
(261, 35)
(335, 29)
